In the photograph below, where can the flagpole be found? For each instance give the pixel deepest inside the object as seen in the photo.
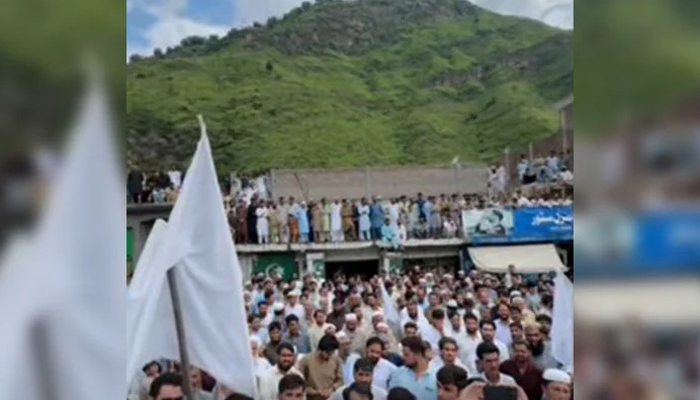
(181, 339)
(40, 343)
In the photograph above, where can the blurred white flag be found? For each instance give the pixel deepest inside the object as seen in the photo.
(563, 321)
(62, 287)
(391, 313)
(198, 244)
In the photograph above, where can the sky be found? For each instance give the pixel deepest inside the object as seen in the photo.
(161, 23)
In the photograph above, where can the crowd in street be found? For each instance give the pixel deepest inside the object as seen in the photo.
(557, 167)
(389, 221)
(451, 337)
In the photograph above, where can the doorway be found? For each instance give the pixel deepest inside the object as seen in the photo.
(365, 268)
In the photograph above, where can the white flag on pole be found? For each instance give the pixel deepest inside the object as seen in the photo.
(563, 321)
(141, 281)
(198, 244)
(391, 313)
(62, 287)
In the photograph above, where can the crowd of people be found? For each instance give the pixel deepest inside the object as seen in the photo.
(462, 336)
(390, 222)
(557, 167)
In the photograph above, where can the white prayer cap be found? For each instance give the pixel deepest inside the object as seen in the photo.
(350, 317)
(382, 325)
(469, 295)
(377, 314)
(255, 340)
(278, 307)
(452, 303)
(556, 375)
(294, 293)
(342, 337)
(515, 293)
(298, 285)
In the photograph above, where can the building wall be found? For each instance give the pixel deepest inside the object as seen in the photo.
(386, 182)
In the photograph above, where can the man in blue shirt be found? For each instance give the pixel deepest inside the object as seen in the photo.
(414, 375)
(376, 215)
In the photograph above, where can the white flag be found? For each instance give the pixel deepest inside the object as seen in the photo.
(563, 321)
(141, 281)
(391, 313)
(62, 287)
(198, 244)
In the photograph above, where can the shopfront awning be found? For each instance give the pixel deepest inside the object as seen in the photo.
(536, 258)
(670, 302)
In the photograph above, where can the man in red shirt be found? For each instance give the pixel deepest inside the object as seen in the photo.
(524, 371)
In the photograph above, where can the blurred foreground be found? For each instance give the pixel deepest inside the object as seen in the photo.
(637, 240)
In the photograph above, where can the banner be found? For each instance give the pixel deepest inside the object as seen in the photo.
(504, 225)
(283, 265)
(491, 224)
(544, 224)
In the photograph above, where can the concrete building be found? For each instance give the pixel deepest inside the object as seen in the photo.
(296, 259)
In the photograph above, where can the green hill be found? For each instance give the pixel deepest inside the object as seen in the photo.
(351, 83)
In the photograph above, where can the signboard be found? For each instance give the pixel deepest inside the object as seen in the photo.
(544, 224)
(490, 222)
(316, 264)
(660, 243)
(505, 225)
(392, 264)
(283, 265)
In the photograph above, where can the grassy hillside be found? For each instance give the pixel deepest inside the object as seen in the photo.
(338, 84)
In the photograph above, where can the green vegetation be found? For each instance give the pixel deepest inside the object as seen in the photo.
(341, 84)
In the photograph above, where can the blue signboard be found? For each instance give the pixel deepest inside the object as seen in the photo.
(658, 243)
(543, 224)
(667, 240)
(532, 224)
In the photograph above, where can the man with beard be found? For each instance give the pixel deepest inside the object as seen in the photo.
(451, 380)
(470, 338)
(557, 385)
(197, 386)
(414, 375)
(502, 324)
(362, 375)
(526, 374)
(488, 333)
(411, 314)
(541, 351)
(356, 336)
(274, 331)
(269, 380)
(545, 322)
(382, 368)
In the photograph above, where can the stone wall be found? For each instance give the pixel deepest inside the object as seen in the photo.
(378, 181)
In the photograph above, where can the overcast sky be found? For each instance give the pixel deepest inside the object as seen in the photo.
(163, 23)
